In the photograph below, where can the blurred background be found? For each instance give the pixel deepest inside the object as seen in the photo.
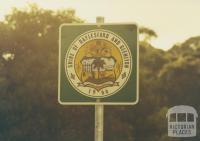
(169, 47)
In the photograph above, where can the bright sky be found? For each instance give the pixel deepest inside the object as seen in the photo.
(173, 20)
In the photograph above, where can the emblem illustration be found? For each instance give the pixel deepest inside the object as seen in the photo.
(98, 63)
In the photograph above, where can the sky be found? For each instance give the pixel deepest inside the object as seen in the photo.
(173, 20)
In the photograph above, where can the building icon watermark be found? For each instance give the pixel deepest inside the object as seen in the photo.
(182, 121)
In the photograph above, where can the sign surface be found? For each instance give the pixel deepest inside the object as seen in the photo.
(98, 63)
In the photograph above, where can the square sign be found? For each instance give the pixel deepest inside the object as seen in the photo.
(98, 64)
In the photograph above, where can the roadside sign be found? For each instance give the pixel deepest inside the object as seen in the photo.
(98, 63)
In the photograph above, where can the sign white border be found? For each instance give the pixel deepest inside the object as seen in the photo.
(98, 102)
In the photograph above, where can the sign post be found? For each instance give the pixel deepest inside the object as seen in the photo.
(99, 108)
(98, 65)
(99, 116)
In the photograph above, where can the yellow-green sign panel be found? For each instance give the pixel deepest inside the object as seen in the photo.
(98, 63)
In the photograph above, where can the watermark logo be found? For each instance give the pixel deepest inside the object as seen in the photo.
(182, 121)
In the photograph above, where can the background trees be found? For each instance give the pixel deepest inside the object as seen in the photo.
(29, 110)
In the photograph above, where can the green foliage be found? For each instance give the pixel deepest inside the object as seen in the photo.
(29, 110)
(147, 34)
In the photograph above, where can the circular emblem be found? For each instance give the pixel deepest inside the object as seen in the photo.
(98, 63)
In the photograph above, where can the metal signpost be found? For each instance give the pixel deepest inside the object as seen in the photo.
(99, 108)
(98, 65)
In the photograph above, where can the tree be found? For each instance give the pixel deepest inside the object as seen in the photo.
(98, 64)
(29, 107)
(180, 76)
(147, 34)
